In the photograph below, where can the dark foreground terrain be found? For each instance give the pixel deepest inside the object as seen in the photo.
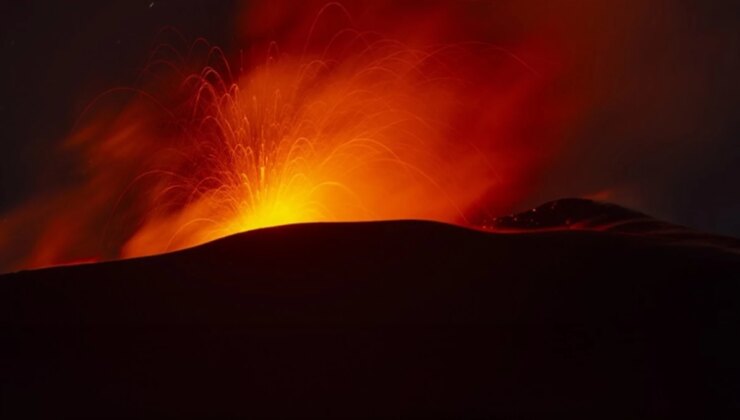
(383, 319)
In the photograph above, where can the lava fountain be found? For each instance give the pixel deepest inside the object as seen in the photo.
(346, 127)
(301, 139)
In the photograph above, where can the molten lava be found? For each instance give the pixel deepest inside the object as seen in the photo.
(301, 140)
(349, 126)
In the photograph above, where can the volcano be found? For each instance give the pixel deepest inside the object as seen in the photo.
(575, 307)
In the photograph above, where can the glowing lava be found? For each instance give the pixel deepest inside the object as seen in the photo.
(360, 128)
(301, 140)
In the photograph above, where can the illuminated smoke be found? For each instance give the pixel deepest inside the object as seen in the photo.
(341, 127)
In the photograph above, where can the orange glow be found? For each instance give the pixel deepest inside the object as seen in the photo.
(304, 140)
(340, 127)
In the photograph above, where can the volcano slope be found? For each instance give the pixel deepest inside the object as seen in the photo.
(398, 318)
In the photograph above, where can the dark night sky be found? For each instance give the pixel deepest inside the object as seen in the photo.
(59, 55)
(663, 129)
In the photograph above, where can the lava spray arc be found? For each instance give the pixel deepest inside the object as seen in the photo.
(302, 140)
(345, 125)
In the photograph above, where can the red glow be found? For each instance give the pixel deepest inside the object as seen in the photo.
(341, 116)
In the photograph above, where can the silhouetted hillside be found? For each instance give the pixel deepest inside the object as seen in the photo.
(381, 319)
